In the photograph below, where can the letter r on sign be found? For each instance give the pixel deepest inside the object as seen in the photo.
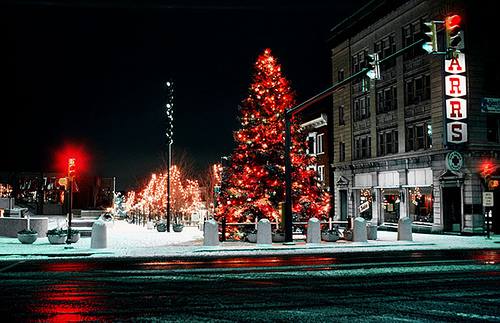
(456, 109)
(455, 85)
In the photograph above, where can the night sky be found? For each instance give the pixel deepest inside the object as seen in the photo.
(92, 73)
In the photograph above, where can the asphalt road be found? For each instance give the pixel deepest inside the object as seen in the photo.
(369, 287)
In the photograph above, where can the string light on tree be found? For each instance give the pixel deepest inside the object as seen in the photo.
(253, 184)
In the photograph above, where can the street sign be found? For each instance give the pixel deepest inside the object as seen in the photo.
(490, 105)
(363, 207)
(488, 199)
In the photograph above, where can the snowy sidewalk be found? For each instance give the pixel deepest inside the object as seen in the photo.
(129, 240)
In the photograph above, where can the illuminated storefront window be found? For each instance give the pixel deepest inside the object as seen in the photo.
(365, 204)
(390, 205)
(421, 204)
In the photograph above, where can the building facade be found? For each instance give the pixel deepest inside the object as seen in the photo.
(397, 152)
(317, 127)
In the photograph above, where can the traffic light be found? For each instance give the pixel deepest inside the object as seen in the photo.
(430, 45)
(493, 184)
(486, 169)
(71, 168)
(454, 34)
(373, 64)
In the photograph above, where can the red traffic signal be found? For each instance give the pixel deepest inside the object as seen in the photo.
(453, 22)
(486, 169)
(71, 167)
(454, 34)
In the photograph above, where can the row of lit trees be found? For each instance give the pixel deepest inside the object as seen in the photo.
(150, 203)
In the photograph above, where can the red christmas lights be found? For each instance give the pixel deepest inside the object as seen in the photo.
(253, 184)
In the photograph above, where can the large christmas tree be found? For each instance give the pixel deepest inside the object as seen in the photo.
(253, 182)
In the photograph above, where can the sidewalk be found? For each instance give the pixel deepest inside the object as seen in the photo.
(129, 240)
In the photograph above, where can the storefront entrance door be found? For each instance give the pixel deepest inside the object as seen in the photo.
(452, 211)
(343, 205)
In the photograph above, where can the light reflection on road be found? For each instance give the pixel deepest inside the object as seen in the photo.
(68, 301)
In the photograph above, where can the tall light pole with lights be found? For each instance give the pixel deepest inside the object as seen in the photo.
(70, 182)
(169, 133)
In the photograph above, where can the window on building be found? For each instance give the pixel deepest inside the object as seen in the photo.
(384, 48)
(311, 143)
(341, 116)
(340, 75)
(361, 108)
(387, 142)
(321, 172)
(387, 99)
(417, 89)
(341, 151)
(319, 144)
(492, 129)
(362, 147)
(358, 63)
(418, 136)
(411, 34)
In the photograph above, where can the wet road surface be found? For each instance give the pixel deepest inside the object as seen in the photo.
(350, 287)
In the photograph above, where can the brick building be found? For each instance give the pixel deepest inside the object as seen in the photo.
(317, 124)
(392, 155)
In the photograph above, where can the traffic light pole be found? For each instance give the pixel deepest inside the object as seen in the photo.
(289, 113)
(70, 209)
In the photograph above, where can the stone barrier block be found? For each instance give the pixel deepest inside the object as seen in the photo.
(313, 231)
(10, 226)
(211, 233)
(404, 229)
(99, 238)
(359, 231)
(264, 235)
(371, 231)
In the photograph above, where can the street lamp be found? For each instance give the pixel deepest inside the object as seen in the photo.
(169, 133)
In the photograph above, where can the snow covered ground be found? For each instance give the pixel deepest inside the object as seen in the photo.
(130, 240)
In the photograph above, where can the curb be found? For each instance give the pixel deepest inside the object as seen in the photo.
(310, 247)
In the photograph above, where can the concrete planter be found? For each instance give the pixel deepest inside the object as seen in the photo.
(75, 237)
(252, 237)
(278, 237)
(330, 236)
(161, 227)
(177, 227)
(347, 235)
(27, 238)
(57, 238)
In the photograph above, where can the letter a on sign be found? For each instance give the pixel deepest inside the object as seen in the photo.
(455, 65)
(455, 85)
(456, 109)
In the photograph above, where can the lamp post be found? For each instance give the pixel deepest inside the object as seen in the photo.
(169, 133)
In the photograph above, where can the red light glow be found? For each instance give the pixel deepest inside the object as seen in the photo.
(71, 151)
(453, 22)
